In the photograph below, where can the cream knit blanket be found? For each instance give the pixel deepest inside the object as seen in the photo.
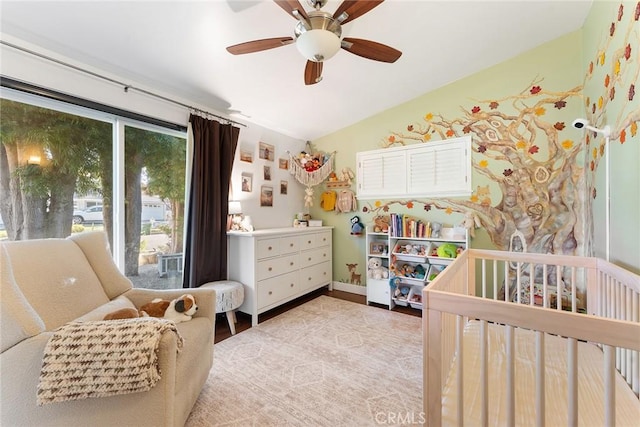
(102, 358)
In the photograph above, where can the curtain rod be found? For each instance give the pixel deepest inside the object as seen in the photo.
(126, 87)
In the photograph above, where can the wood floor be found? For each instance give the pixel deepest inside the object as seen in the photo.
(244, 320)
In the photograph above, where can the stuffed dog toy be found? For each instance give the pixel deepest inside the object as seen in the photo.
(179, 310)
(125, 313)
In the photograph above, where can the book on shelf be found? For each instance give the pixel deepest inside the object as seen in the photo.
(402, 225)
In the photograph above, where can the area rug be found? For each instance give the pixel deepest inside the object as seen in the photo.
(328, 362)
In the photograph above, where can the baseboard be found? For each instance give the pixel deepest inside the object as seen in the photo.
(349, 287)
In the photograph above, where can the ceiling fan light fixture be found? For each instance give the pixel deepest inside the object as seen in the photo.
(318, 45)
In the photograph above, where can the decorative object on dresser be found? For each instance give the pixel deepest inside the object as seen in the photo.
(278, 265)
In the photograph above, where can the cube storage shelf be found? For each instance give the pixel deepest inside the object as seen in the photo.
(412, 263)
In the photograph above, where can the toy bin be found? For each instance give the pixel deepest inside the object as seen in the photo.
(452, 251)
(415, 297)
(411, 272)
(434, 270)
(400, 292)
(411, 251)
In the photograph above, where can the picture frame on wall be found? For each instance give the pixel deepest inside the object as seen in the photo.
(247, 181)
(266, 196)
(267, 173)
(266, 151)
(284, 186)
(283, 163)
(246, 156)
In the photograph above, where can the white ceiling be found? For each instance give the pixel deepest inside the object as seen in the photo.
(178, 47)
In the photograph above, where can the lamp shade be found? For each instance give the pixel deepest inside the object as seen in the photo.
(318, 45)
(235, 208)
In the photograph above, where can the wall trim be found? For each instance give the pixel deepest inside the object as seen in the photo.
(349, 287)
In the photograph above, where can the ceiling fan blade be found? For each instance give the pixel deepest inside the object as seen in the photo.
(355, 8)
(258, 45)
(290, 5)
(312, 73)
(371, 50)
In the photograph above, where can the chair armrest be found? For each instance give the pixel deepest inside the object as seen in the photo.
(205, 298)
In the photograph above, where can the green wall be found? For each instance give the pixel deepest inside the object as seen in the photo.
(555, 70)
(606, 35)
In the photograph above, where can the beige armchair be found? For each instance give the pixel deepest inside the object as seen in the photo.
(49, 282)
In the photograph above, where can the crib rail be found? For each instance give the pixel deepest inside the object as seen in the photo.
(582, 299)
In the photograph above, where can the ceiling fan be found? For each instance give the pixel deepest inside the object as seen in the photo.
(318, 36)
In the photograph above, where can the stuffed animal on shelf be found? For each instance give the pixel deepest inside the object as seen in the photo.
(381, 224)
(375, 269)
(356, 226)
(436, 227)
(179, 310)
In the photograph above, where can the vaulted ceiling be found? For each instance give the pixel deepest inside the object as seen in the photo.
(178, 48)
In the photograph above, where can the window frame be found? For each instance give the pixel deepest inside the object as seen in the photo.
(118, 127)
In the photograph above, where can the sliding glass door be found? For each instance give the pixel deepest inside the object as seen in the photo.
(154, 177)
(64, 170)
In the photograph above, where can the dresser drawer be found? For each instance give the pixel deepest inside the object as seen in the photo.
(270, 291)
(315, 256)
(316, 240)
(275, 266)
(315, 275)
(267, 248)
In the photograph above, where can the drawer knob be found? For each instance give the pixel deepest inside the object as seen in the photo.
(290, 245)
(270, 248)
(291, 263)
(270, 292)
(309, 258)
(309, 278)
(292, 285)
(270, 268)
(309, 241)
(324, 255)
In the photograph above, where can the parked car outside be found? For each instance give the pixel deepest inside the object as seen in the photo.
(92, 214)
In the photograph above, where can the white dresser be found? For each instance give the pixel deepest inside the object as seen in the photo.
(278, 265)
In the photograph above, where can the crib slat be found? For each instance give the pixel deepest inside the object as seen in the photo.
(484, 377)
(609, 386)
(459, 367)
(507, 285)
(572, 381)
(484, 277)
(532, 276)
(559, 287)
(635, 364)
(574, 297)
(540, 415)
(511, 393)
(495, 279)
(545, 287)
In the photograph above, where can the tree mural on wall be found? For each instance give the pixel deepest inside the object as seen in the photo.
(547, 180)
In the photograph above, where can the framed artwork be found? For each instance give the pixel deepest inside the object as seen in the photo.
(246, 156)
(267, 151)
(247, 180)
(267, 173)
(377, 248)
(266, 196)
(283, 163)
(284, 185)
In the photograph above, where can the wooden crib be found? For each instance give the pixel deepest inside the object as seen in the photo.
(519, 354)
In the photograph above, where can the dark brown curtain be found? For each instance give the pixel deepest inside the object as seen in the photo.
(214, 148)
